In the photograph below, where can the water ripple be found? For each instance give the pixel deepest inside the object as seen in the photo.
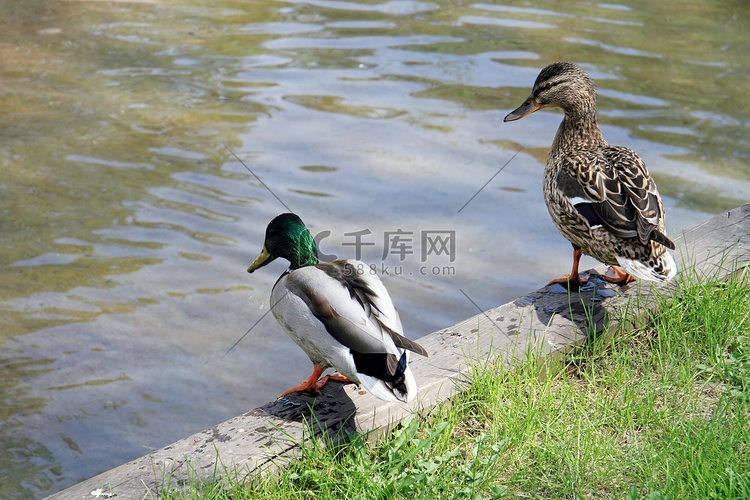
(510, 23)
(108, 163)
(397, 7)
(355, 43)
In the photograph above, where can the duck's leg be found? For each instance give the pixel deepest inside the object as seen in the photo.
(618, 276)
(574, 281)
(311, 384)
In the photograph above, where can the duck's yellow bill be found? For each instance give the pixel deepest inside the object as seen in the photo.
(528, 107)
(263, 259)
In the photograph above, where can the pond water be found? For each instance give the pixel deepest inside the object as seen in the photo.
(146, 145)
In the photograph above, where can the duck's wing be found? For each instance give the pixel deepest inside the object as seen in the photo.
(617, 192)
(349, 299)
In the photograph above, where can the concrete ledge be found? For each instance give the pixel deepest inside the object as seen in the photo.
(542, 322)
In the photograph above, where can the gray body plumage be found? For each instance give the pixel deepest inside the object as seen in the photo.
(342, 316)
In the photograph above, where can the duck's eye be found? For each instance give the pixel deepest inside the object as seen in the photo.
(548, 85)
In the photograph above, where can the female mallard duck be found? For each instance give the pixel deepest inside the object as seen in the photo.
(339, 313)
(600, 197)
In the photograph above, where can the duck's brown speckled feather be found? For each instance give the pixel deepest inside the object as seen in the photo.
(623, 194)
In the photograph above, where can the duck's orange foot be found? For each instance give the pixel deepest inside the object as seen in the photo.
(571, 282)
(314, 383)
(311, 384)
(618, 277)
(337, 378)
(304, 386)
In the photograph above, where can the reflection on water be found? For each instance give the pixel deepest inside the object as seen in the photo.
(127, 222)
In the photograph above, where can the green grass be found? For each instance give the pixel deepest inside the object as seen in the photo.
(659, 411)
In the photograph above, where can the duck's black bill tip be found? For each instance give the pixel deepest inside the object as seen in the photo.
(528, 107)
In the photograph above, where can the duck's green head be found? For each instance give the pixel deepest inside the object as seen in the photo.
(287, 237)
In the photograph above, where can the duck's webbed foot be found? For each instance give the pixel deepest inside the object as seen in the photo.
(311, 384)
(571, 282)
(337, 378)
(617, 276)
(315, 383)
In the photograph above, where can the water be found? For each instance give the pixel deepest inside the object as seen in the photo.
(127, 222)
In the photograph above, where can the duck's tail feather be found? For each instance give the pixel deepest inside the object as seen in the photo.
(662, 268)
(397, 384)
(661, 238)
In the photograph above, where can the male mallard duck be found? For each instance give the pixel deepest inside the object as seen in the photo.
(600, 197)
(339, 313)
